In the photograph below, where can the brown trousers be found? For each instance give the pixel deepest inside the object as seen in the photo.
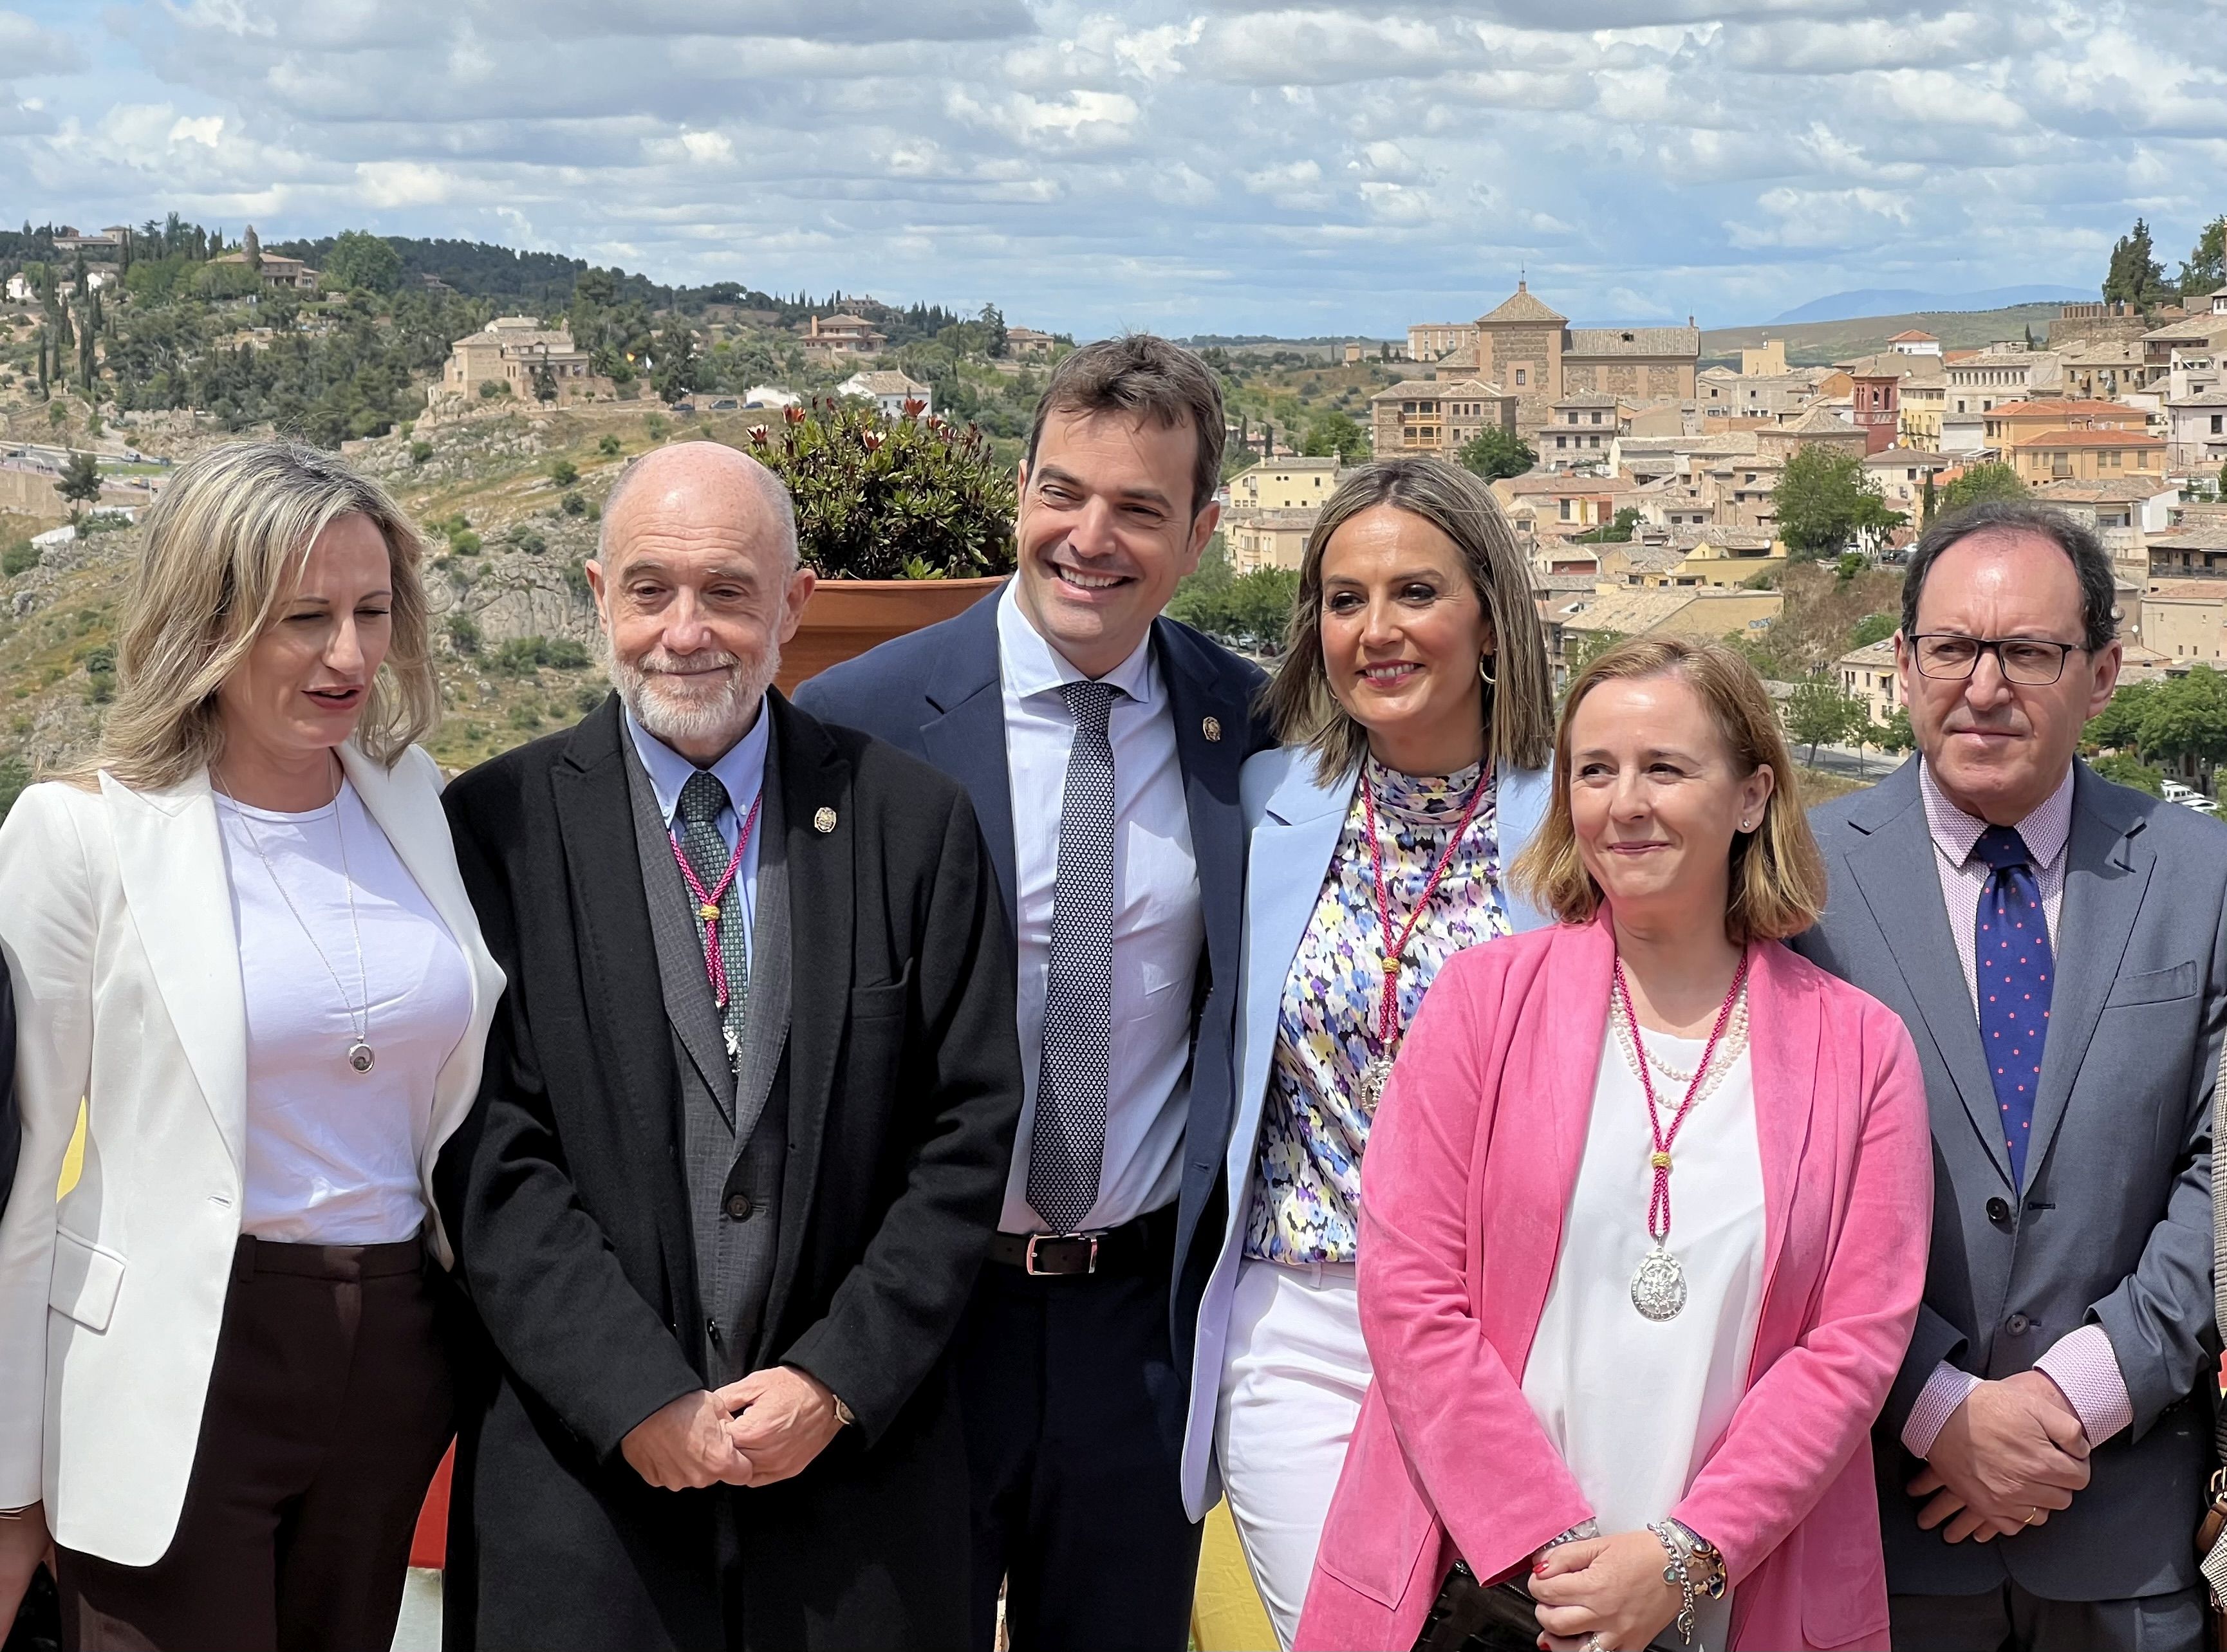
(329, 1408)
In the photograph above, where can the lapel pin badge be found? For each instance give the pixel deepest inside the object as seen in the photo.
(823, 822)
(1210, 727)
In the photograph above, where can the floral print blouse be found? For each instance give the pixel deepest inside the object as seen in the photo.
(1307, 1182)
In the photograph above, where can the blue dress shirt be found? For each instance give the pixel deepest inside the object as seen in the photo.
(742, 771)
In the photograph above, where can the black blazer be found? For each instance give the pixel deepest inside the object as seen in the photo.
(936, 693)
(564, 1197)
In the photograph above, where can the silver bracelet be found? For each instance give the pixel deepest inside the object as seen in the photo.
(1584, 1529)
(1695, 1568)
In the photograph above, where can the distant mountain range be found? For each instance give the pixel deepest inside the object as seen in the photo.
(1881, 301)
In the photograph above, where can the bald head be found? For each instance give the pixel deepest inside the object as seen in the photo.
(705, 486)
(696, 582)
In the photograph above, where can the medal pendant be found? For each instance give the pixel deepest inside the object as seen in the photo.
(1658, 1290)
(1374, 1077)
(360, 1056)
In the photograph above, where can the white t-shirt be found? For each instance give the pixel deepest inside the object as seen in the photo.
(333, 1153)
(1634, 1405)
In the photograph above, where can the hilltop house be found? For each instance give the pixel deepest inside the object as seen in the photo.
(842, 334)
(513, 351)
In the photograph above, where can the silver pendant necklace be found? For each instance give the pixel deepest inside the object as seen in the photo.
(1658, 1286)
(360, 1055)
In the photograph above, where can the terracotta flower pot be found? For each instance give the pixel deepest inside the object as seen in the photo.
(846, 617)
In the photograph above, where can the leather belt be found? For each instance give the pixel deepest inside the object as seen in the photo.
(1144, 1246)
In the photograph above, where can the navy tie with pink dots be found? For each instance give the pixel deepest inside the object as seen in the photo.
(2011, 961)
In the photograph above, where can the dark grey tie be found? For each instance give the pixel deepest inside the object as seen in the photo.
(1067, 1146)
(701, 800)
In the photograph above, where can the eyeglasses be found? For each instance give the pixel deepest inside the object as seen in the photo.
(2032, 662)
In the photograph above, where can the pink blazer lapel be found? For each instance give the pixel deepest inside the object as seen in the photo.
(1523, 1208)
(1578, 979)
(1785, 1023)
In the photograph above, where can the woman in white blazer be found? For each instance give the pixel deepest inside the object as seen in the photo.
(1414, 705)
(239, 934)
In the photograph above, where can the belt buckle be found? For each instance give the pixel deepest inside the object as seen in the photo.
(1028, 1262)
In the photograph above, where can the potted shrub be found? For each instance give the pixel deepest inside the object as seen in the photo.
(906, 521)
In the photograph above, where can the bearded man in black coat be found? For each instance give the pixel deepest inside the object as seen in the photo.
(749, 1107)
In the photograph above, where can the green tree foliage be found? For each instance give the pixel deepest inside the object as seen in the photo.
(80, 480)
(523, 656)
(2176, 719)
(1618, 531)
(888, 499)
(1819, 713)
(355, 377)
(1337, 434)
(1895, 734)
(564, 473)
(2134, 275)
(462, 632)
(607, 446)
(1581, 648)
(545, 382)
(2128, 770)
(1873, 627)
(678, 360)
(361, 262)
(1252, 610)
(1927, 501)
(19, 558)
(1496, 453)
(1989, 480)
(2205, 269)
(1824, 500)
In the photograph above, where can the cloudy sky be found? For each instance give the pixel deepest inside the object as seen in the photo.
(1185, 165)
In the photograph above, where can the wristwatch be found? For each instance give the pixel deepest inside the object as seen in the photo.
(844, 1414)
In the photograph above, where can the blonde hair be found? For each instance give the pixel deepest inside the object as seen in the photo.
(1519, 707)
(1777, 876)
(226, 542)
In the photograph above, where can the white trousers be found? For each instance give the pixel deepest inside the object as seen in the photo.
(1292, 1385)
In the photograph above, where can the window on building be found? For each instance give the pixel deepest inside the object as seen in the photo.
(1562, 442)
(1566, 509)
(1522, 377)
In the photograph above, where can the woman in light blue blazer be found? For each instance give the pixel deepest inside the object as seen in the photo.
(1414, 705)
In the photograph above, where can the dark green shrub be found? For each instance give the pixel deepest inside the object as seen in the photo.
(892, 498)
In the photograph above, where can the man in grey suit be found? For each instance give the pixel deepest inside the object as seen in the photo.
(2056, 945)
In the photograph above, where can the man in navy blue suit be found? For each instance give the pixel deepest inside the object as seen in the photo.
(1100, 744)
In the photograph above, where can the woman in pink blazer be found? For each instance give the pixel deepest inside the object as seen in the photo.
(1643, 1228)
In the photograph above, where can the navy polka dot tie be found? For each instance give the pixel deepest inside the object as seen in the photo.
(2012, 966)
(1067, 1143)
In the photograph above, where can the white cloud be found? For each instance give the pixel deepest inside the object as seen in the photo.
(1233, 165)
(26, 49)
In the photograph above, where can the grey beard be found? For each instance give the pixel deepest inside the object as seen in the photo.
(720, 719)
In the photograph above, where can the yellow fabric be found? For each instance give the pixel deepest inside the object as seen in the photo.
(73, 1157)
(1226, 1614)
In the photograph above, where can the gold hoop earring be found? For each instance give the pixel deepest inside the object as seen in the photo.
(1483, 675)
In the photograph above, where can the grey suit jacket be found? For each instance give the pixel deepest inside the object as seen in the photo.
(2114, 1224)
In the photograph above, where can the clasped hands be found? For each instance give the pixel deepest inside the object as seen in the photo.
(765, 1428)
(2008, 1456)
(1605, 1592)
